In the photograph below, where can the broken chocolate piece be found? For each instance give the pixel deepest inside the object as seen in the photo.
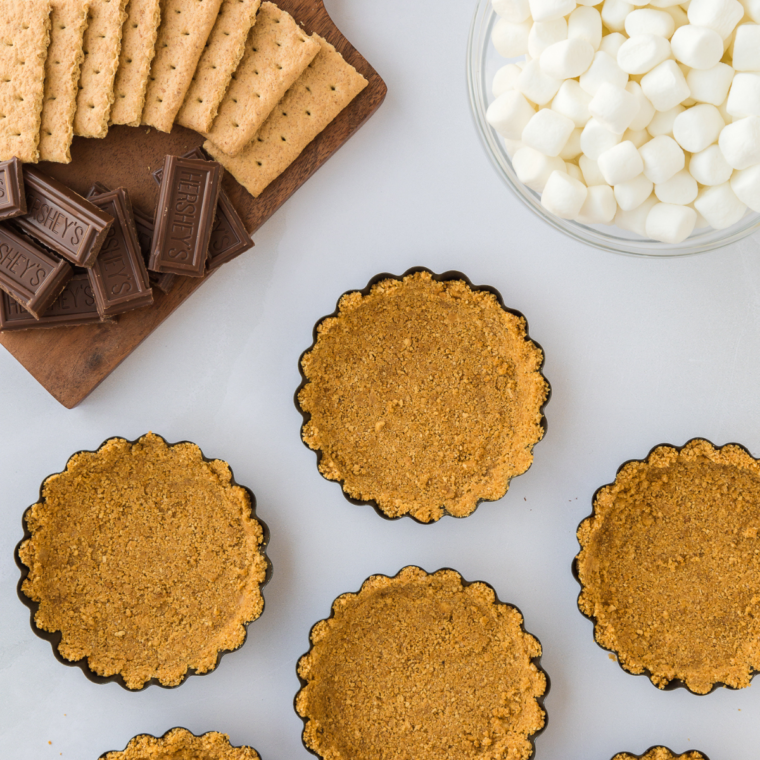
(12, 196)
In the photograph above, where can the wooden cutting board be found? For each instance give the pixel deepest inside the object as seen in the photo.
(71, 362)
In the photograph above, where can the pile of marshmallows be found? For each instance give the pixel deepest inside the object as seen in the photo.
(645, 117)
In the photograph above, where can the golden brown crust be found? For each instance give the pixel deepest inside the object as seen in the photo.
(425, 397)
(421, 666)
(180, 744)
(146, 558)
(660, 753)
(670, 566)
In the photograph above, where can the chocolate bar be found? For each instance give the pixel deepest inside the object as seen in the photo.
(62, 220)
(75, 306)
(185, 213)
(229, 237)
(118, 278)
(30, 275)
(12, 196)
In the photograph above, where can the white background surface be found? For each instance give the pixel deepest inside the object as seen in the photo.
(638, 352)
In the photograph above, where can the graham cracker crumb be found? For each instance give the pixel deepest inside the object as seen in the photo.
(180, 744)
(424, 396)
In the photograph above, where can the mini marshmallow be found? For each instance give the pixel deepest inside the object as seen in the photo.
(590, 2)
(591, 174)
(564, 196)
(612, 42)
(746, 55)
(513, 11)
(725, 114)
(572, 147)
(680, 189)
(533, 168)
(509, 114)
(585, 23)
(669, 223)
(637, 136)
(646, 111)
(505, 79)
(567, 59)
(678, 15)
(744, 98)
(662, 123)
(620, 163)
(546, 10)
(614, 14)
(701, 222)
(574, 172)
(535, 85)
(572, 101)
(720, 206)
(599, 206)
(709, 167)
(664, 3)
(604, 68)
(710, 85)
(698, 127)
(640, 54)
(740, 143)
(636, 220)
(614, 107)
(511, 40)
(662, 157)
(546, 33)
(746, 186)
(650, 21)
(720, 15)
(665, 86)
(630, 195)
(697, 46)
(751, 9)
(512, 146)
(595, 139)
(547, 132)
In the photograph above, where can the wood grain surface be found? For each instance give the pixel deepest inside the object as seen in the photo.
(71, 362)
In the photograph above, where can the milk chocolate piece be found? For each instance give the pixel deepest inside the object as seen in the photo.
(12, 195)
(30, 275)
(229, 237)
(185, 216)
(118, 277)
(62, 220)
(75, 306)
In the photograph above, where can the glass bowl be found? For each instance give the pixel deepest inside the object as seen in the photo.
(482, 63)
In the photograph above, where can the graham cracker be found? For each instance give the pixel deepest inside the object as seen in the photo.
(24, 40)
(185, 27)
(220, 58)
(325, 88)
(138, 44)
(68, 21)
(102, 44)
(276, 53)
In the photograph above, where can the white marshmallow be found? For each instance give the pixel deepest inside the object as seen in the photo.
(646, 111)
(614, 107)
(505, 79)
(620, 163)
(630, 195)
(701, 222)
(512, 146)
(746, 53)
(637, 136)
(698, 127)
(665, 85)
(604, 68)
(662, 158)
(669, 223)
(511, 40)
(650, 21)
(720, 206)
(720, 15)
(572, 147)
(546, 10)
(599, 206)
(564, 196)
(585, 23)
(509, 114)
(725, 114)
(662, 123)
(574, 172)
(535, 85)
(746, 186)
(740, 142)
(533, 168)
(547, 132)
(614, 13)
(590, 2)
(612, 42)
(744, 98)
(513, 11)
(640, 54)
(711, 85)
(697, 46)
(636, 220)
(680, 189)
(709, 167)
(664, 3)
(595, 139)
(678, 15)
(546, 33)
(567, 59)
(751, 9)
(572, 101)
(591, 174)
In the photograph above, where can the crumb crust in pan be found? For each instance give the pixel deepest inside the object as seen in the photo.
(421, 666)
(669, 566)
(146, 560)
(423, 395)
(661, 753)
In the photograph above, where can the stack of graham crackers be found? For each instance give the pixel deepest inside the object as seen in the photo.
(240, 72)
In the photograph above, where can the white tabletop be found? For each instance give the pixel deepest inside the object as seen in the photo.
(638, 352)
